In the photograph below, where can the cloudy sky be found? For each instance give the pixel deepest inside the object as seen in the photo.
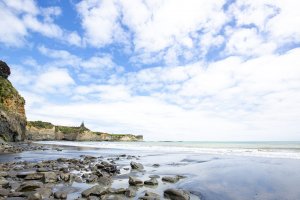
(167, 69)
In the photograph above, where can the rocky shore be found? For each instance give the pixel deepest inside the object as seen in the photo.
(54, 179)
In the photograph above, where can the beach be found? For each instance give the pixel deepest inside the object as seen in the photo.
(207, 171)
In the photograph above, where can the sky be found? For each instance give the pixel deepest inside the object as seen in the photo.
(166, 69)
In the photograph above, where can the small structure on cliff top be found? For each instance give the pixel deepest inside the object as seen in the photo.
(4, 70)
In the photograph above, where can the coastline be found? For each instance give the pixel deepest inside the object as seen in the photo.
(207, 176)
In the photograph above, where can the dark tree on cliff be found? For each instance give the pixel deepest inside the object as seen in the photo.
(4, 69)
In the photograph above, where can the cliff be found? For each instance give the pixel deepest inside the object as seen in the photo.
(39, 130)
(12, 111)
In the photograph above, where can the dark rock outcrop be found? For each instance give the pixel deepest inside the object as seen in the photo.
(12, 111)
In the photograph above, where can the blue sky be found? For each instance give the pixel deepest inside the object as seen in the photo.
(167, 69)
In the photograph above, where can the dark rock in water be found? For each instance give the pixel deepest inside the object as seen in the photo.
(150, 196)
(137, 166)
(176, 194)
(105, 180)
(155, 165)
(50, 177)
(29, 186)
(152, 181)
(96, 190)
(34, 176)
(92, 179)
(60, 195)
(154, 176)
(65, 177)
(170, 179)
(135, 181)
(35, 196)
(120, 191)
(130, 192)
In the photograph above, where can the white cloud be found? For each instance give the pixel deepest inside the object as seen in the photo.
(53, 81)
(245, 42)
(19, 18)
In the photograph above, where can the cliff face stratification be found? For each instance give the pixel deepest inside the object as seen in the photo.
(12, 111)
(39, 130)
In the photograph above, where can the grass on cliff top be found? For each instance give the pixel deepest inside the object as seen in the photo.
(69, 130)
(40, 124)
(7, 91)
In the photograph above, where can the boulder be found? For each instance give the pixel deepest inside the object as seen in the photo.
(60, 195)
(29, 186)
(137, 166)
(96, 190)
(135, 181)
(152, 181)
(49, 177)
(170, 179)
(176, 194)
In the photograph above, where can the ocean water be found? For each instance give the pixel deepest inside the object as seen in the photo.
(257, 149)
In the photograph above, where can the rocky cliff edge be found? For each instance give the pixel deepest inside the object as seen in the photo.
(12, 111)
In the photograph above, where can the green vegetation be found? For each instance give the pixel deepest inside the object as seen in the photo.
(68, 129)
(7, 91)
(40, 124)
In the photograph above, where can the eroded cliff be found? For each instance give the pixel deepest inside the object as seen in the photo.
(12, 111)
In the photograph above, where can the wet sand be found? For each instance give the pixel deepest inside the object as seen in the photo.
(210, 177)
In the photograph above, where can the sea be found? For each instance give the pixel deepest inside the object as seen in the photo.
(273, 149)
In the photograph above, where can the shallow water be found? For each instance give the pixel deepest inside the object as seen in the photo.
(209, 176)
(256, 149)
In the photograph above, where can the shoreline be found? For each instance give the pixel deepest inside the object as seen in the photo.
(210, 177)
(284, 152)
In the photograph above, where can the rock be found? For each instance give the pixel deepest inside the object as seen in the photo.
(137, 166)
(3, 182)
(152, 181)
(130, 192)
(96, 190)
(65, 177)
(92, 179)
(3, 174)
(155, 165)
(150, 196)
(35, 196)
(170, 179)
(43, 169)
(105, 180)
(176, 194)
(49, 177)
(29, 186)
(60, 195)
(135, 181)
(12, 112)
(34, 176)
(111, 197)
(120, 191)
(154, 176)
(4, 192)
(4, 70)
